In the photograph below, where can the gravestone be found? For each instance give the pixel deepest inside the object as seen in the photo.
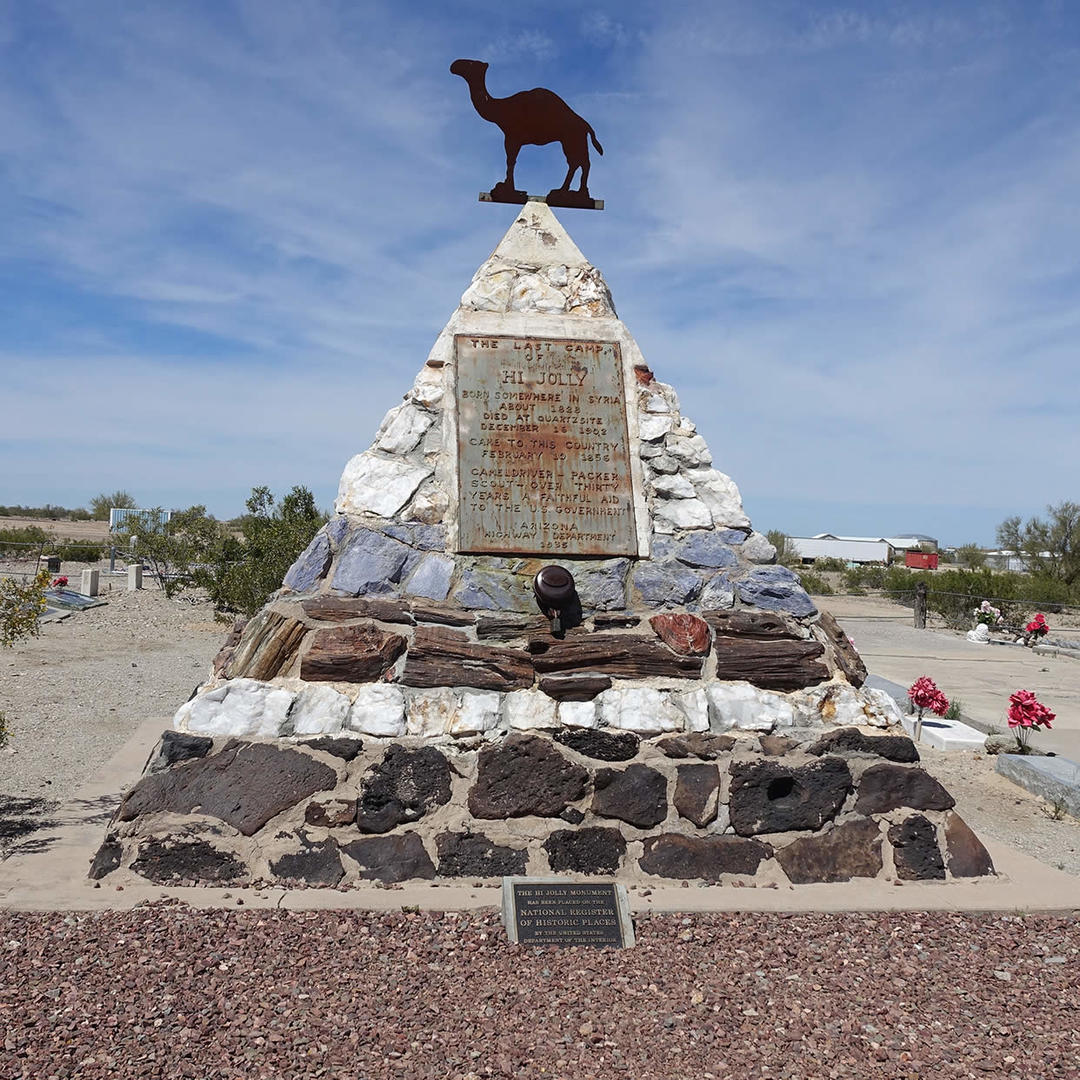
(488, 739)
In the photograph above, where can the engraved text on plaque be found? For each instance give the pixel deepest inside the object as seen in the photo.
(543, 460)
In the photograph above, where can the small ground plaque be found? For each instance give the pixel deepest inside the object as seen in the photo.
(543, 451)
(553, 911)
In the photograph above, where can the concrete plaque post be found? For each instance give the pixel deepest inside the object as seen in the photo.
(134, 580)
(90, 583)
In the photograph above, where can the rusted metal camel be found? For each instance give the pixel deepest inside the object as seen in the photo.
(533, 118)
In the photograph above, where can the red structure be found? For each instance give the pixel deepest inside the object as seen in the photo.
(921, 560)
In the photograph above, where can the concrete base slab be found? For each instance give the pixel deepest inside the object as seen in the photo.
(49, 874)
(944, 734)
(1055, 779)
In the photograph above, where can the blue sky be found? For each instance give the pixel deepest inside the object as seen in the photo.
(847, 233)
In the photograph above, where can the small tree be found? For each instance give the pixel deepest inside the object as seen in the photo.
(786, 554)
(100, 505)
(971, 556)
(173, 549)
(1050, 548)
(273, 535)
(21, 608)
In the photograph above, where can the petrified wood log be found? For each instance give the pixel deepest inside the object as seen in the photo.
(766, 625)
(509, 627)
(613, 654)
(267, 646)
(443, 616)
(351, 654)
(614, 619)
(847, 658)
(575, 687)
(439, 657)
(772, 665)
(343, 608)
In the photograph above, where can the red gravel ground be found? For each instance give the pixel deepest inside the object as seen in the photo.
(165, 991)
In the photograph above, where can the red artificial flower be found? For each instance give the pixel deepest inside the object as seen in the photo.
(60, 583)
(1026, 711)
(1038, 625)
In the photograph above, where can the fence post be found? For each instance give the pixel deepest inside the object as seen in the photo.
(920, 605)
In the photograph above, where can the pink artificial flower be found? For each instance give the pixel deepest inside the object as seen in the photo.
(924, 694)
(1026, 711)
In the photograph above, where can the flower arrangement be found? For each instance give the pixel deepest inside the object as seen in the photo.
(59, 583)
(1025, 713)
(924, 694)
(988, 614)
(1036, 629)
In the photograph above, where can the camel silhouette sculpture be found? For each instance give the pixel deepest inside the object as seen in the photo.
(533, 118)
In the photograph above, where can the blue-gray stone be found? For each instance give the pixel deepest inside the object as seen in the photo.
(492, 592)
(311, 564)
(719, 593)
(668, 583)
(661, 547)
(336, 528)
(424, 537)
(603, 588)
(370, 564)
(705, 549)
(731, 536)
(432, 577)
(775, 588)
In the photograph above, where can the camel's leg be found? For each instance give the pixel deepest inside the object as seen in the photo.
(512, 150)
(576, 151)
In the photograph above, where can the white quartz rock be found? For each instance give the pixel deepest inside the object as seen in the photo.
(490, 289)
(695, 707)
(720, 494)
(529, 710)
(691, 451)
(479, 714)
(757, 549)
(672, 514)
(403, 428)
(843, 706)
(641, 709)
(237, 707)
(743, 706)
(378, 485)
(655, 403)
(378, 709)
(653, 426)
(430, 384)
(532, 293)
(880, 707)
(318, 710)
(673, 486)
(577, 714)
(431, 712)
(429, 506)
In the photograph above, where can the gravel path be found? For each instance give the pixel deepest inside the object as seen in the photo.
(168, 992)
(75, 694)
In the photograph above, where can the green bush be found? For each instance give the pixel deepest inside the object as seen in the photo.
(17, 541)
(21, 608)
(815, 583)
(87, 551)
(869, 576)
(830, 566)
(173, 549)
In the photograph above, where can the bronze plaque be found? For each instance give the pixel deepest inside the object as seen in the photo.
(567, 913)
(543, 455)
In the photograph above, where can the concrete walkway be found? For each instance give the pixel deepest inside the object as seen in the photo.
(51, 875)
(981, 676)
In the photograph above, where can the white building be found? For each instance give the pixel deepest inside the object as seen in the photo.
(859, 549)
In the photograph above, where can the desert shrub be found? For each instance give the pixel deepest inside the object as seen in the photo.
(87, 551)
(21, 608)
(815, 583)
(245, 572)
(955, 710)
(173, 549)
(865, 577)
(16, 541)
(830, 565)
(785, 553)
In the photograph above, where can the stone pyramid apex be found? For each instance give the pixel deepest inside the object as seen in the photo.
(537, 238)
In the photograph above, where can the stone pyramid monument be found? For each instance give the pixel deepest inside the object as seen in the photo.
(406, 707)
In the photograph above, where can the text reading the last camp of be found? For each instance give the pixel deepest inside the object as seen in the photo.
(542, 444)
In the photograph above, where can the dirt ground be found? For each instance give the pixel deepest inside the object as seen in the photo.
(62, 530)
(74, 695)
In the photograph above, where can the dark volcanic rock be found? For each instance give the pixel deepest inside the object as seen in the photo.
(402, 788)
(172, 859)
(391, 858)
(572, 816)
(474, 855)
(767, 796)
(601, 745)
(707, 857)
(525, 775)
(776, 745)
(330, 813)
(318, 864)
(245, 785)
(585, 851)
(852, 740)
(338, 747)
(915, 850)
(885, 787)
(107, 858)
(696, 788)
(966, 856)
(636, 795)
(177, 746)
(852, 849)
(699, 744)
